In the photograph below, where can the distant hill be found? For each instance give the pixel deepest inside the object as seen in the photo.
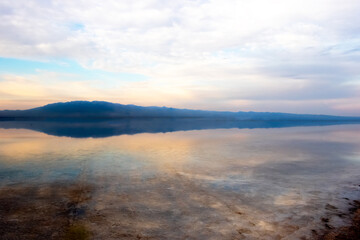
(107, 110)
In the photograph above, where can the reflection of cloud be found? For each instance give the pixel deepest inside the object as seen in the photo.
(288, 199)
(256, 183)
(164, 149)
(355, 157)
(265, 226)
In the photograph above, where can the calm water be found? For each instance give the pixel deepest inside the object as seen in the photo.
(261, 183)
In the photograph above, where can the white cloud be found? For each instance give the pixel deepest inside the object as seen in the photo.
(248, 50)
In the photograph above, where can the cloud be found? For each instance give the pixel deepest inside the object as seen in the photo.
(170, 32)
(199, 53)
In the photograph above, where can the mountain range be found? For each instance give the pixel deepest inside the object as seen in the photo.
(107, 110)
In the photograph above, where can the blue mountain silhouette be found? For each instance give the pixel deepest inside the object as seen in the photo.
(107, 110)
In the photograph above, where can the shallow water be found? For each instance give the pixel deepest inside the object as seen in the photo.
(277, 183)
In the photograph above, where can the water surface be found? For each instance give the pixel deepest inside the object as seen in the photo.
(261, 183)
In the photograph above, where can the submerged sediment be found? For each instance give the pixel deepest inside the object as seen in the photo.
(294, 183)
(160, 208)
(348, 232)
(54, 211)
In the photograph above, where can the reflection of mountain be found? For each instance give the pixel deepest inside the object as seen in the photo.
(106, 128)
(106, 110)
(103, 119)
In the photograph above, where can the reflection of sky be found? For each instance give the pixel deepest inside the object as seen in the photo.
(279, 179)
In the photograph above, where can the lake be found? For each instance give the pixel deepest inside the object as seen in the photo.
(256, 182)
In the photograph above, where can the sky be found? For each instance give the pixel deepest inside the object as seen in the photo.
(297, 56)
